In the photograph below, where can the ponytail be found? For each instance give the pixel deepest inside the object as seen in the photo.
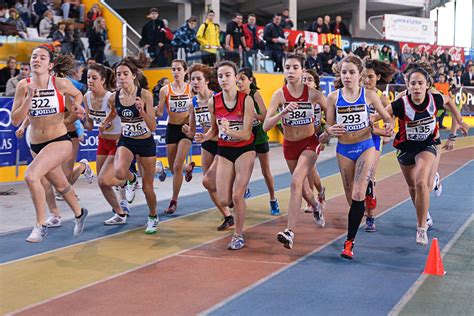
(64, 66)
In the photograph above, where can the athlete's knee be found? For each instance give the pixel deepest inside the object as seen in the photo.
(31, 178)
(147, 188)
(266, 173)
(63, 188)
(209, 183)
(121, 174)
(104, 182)
(177, 167)
(358, 193)
(421, 185)
(296, 182)
(237, 196)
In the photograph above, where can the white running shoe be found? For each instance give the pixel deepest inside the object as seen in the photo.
(318, 215)
(437, 185)
(79, 223)
(116, 220)
(53, 221)
(429, 221)
(152, 225)
(38, 233)
(130, 189)
(125, 206)
(422, 236)
(286, 237)
(58, 196)
(88, 173)
(160, 170)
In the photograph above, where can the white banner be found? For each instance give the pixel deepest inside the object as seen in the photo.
(409, 29)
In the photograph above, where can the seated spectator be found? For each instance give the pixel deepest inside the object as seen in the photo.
(73, 9)
(6, 28)
(3, 13)
(300, 43)
(46, 24)
(208, 37)
(312, 59)
(39, 9)
(153, 38)
(234, 39)
(326, 29)
(386, 56)
(406, 53)
(316, 26)
(457, 79)
(339, 28)
(13, 82)
(8, 72)
(334, 46)
(23, 11)
(61, 36)
(286, 22)
(445, 56)
(185, 36)
(459, 66)
(361, 51)
(339, 56)
(58, 50)
(98, 39)
(275, 40)
(375, 53)
(467, 78)
(92, 15)
(325, 59)
(77, 47)
(18, 22)
(416, 53)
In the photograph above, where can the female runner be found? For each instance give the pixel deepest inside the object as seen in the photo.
(295, 104)
(41, 98)
(231, 119)
(348, 119)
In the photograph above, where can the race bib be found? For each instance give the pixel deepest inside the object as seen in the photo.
(301, 116)
(420, 130)
(179, 103)
(354, 117)
(44, 103)
(134, 128)
(317, 116)
(234, 125)
(202, 116)
(97, 116)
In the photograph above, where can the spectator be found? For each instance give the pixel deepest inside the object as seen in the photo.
(406, 53)
(73, 9)
(61, 36)
(3, 13)
(98, 39)
(457, 79)
(167, 48)
(15, 19)
(13, 82)
(58, 50)
(445, 56)
(325, 59)
(326, 29)
(375, 53)
(77, 47)
(153, 38)
(361, 51)
(442, 86)
(39, 10)
(185, 36)
(459, 66)
(334, 46)
(467, 78)
(208, 38)
(8, 72)
(300, 43)
(368, 53)
(450, 65)
(416, 53)
(23, 12)
(234, 39)
(275, 40)
(339, 56)
(92, 15)
(386, 56)
(252, 42)
(46, 24)
(316, 26)
(286, 22)
(312, 59)
(339, 28)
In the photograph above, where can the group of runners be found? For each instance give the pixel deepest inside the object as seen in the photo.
(222, 109)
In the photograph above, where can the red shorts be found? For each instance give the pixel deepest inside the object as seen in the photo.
(293, 149)
(107, 147)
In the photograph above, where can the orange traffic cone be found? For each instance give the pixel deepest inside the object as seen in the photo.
(434, 264)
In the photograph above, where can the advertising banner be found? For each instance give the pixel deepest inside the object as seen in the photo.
(409, 29)
(464, 98)
(8, 143)
(457, 53)
(311, 38)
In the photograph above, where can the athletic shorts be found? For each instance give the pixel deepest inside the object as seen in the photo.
(73, 134)
(141, 147)
(210, 146)
(174, 133)
(262, 148)
(36, 148)
(353, 151)
(407, 158)
(377, 142)
(107, 147)
(292, 150)
(233, 153)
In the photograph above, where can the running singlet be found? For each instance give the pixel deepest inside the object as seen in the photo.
(201, 114)
(354, 115)
(304, 114)
(132, 124)
(235, 117)
(176, 102)
(419, 125)
(98, 116)
(317, 116)
(47, 101)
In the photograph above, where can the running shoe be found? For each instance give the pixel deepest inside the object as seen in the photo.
(237, 242)
(322, 197)
(227, 223)
(422, 236)
(125, 207)
(274, 208)
(247, 194)
(189, 173)
(116, 220)
(130, 189)
(286, 237)
(58, 196)
(172, 207)
(437, 186)
(79, 222)
(370, 224)
(160, 170)
(370, 198)
(347, 252)
(38, 233)
(318, 215)
(88, 173)
(53, 221)
(151, 225)
(429, 221)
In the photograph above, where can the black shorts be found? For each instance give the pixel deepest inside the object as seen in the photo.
(36, 148)
(73, 134)
(233, 153)
(262, 148)
(407, 158)
(142, 147)
(174, 134)
(210, 146)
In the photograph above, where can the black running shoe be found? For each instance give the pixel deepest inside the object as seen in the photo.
(227, 223)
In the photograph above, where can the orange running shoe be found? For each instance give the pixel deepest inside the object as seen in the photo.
(347, 251)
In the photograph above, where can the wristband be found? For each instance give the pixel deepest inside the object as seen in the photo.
(452, 137)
